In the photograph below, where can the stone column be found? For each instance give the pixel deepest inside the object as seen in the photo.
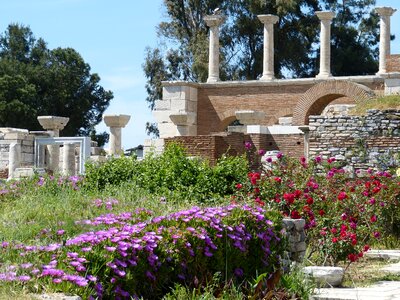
(68, 166)
(268, 62)
(213, 21)
(325, 43)
(116, 123)
(384, 41)
(14, 159)
(53, 124)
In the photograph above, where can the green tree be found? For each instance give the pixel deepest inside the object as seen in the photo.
(35, 80)
(183, 54)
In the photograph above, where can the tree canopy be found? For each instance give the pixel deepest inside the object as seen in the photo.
(35, 80)
(183, 50)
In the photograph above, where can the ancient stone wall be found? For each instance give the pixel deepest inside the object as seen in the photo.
(24, 139)
(361, 142)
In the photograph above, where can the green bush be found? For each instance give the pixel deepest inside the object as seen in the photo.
(172, 171)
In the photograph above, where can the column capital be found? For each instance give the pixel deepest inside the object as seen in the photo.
(116, 120)
(385, 11)
(214, 20)
(268, 19)
(325, 15)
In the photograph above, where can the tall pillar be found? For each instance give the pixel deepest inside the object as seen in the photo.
(53, 124)
(268, 62)
(384, 41)
(116, 123)
(325, 43)
(213, 21)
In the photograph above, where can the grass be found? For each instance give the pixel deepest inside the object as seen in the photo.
(366, 272)
(387, 102)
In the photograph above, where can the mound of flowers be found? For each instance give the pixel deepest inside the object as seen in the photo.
(343, 213)
(136, 254)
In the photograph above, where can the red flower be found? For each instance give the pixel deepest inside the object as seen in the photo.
(295, 215)
(310, 200)
(335, 240)
(373, 218)
(334, 230)
(366, 248)
(352, 257)
(278, 179)
(289, 198)
(259, 202)
(321, 212)
(239, 186)
(342, 196)
(354, 242)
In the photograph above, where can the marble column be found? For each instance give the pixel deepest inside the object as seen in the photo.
(213, 21)
(116, 123)
(268, 62)
(14, 159)
(68, 166)
(53, 124)
(325, 43)
(384, 41)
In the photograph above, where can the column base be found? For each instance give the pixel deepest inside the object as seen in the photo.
(212, 79)
(323, 76)
(267, 77)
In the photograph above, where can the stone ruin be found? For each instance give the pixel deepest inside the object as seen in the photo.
(24, 152)
(279, 114)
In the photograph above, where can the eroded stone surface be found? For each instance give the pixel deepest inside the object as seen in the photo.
(325, 276)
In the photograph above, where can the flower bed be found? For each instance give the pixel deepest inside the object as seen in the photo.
(140, 255)
(343, 215)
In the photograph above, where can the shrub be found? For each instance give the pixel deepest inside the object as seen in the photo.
(342, 214)
(172, 171)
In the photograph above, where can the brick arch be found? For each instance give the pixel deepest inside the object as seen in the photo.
(314, 100)
(227, 118)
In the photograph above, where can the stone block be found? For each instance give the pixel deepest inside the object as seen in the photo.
(392, 86)
(325, 276)
(193, 94)
(167, 130)
(179, 105)
(162, 104)
(26, 157)
(187, 130)
(162, 116)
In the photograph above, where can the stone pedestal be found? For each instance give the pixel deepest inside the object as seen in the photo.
(54, 125)
(68, 167)
(384, 41)
(268, 62)
(116, 123)
(213, 22)
(325, 40)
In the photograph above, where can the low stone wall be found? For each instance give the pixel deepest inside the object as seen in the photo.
(22, 138)
(360, 142)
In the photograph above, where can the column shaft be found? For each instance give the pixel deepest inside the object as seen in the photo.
(213, 22)
(115, 140)
(325, 43)
(268, 62)
(384, 40)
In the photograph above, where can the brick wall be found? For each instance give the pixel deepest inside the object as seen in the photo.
(393, 63)
(212, 147)
(217, 103)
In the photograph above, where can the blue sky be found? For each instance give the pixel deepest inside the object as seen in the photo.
(112, 36)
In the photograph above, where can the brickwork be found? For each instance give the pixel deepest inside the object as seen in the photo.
(217, 103)
(359, 141)
(212, 147)
(393, 63)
